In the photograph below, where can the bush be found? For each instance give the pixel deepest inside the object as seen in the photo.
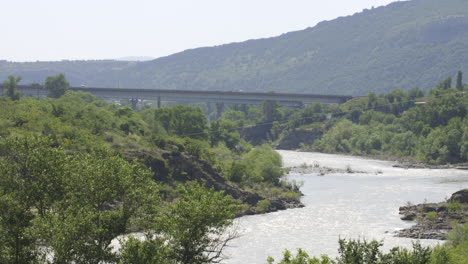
(455, 207)
(262, 205)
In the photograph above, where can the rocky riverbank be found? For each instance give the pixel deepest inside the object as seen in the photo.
(323, 170)
(420, 165)
(435, 220)
(173, 167)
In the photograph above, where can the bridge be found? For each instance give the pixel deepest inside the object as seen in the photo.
(191, 96)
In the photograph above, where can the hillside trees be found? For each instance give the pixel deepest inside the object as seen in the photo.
(182, 121)
(445, 84)
(10, 85)
(459, 84)
(432, 130)
(57, 85)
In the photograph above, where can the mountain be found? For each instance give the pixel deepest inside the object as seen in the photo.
(102, 73)
(403, 45)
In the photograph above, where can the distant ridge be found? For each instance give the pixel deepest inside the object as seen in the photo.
(403, 45)
(135, 58)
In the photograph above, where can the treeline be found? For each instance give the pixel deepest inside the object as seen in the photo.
(454, 251)
(73, 180)
(432, 129)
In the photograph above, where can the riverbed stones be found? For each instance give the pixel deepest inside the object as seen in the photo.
(433, 220)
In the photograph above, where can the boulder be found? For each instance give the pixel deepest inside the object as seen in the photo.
(408, 217)
(460, 196)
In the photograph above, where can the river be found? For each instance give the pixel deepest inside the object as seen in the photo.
(357, 205)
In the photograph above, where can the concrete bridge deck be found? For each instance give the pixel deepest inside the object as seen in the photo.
(285, 99)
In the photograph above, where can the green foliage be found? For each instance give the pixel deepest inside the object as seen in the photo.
(459, 84)
(262, 205)
(57, 85)
(225, 131)
(431, 217)
(192, 230)
(10, 85)
(459, 235)
(358, 252)
(151, 251)
(17, 244)
(433, 131)
(445, 84)
(455, 207)
(184, 121)
(263, 164)
(362, 252)
(456, 250)
(75, 203)
(301, 258)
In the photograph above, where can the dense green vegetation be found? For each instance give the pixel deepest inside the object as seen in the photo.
(430, 128)
(77, 172)
(434, 132)
(406, 44)
(455, 251)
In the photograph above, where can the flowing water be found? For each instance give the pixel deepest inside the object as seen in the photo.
(346, 205)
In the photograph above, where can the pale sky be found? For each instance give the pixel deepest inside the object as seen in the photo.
(33, 30)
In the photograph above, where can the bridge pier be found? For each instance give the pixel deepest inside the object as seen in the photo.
(209, 109)
(219, 110)
(159, 101)
(244, 108)
(134, 102)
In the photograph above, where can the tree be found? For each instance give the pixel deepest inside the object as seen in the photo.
(194, 229)
(184, 121)
(11, 84)
(226, 131)
(415, 93)
(301, 258)
(75, 203)
(459, 85)
(16, 243)
(28, 183)
(372, 99)
(57, 85)
(445, 84)
(104, 192)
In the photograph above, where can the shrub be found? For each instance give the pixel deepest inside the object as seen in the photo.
(262, 206)
(455, 207)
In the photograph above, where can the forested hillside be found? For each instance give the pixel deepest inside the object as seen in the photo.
(403, 45)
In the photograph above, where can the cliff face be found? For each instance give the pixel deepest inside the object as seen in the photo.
(297, 137)
(256, 135)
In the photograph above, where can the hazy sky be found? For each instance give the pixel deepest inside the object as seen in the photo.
(33, 30)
